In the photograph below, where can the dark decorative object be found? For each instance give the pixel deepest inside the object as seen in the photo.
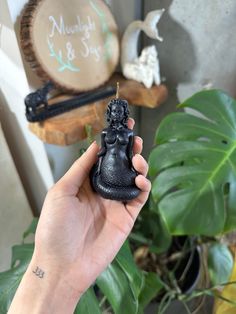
(113, 176)
(37, 108)
(38, 100)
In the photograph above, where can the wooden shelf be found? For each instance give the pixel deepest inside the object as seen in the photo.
(69, 128)
(137, 94)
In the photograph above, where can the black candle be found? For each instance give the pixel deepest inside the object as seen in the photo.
(113, 176)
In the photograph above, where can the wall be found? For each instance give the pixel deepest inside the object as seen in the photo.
(15, 213)
(28, 152)
(197, 52)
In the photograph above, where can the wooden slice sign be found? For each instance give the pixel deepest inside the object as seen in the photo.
(74, 43)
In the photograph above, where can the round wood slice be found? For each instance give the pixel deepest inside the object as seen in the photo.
(74, 43)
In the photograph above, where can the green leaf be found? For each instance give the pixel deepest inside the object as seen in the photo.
(21, 253)
(88, 303)
(126, 262)
(116, 287)
(152, 286)
(150, 229)
(161, 237)
(139, 238)
(220, 263)
(194, 162)
(9, 280)
(89, 133)
(31, 229)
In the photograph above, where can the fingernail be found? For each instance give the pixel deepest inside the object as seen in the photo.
(139, 139)
(91, 145)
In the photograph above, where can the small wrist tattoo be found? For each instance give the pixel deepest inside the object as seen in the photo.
(39, 272)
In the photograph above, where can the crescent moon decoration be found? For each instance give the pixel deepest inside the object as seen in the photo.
(145, 68)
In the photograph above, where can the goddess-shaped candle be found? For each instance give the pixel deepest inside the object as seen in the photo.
(113, 176)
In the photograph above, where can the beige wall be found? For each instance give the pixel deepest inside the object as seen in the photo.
(15, 213)
(197, 52)
(28, 152)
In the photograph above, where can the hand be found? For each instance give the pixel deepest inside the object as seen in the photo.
(79, 233)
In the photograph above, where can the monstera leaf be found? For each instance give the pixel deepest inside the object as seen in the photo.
(194, 166)
(10, 279)
(122, 282)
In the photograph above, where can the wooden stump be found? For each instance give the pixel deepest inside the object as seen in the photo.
(72, 43)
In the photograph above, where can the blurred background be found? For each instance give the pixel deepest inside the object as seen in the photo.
(197, 53)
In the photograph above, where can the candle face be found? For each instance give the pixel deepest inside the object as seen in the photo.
(113, 176)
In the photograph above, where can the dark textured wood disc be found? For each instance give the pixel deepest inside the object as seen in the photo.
(74, 43)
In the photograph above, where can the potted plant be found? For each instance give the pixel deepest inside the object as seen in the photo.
(191, 208)
(193, 193)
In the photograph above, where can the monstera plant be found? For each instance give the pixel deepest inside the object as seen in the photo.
(193, 173)
(195, 166)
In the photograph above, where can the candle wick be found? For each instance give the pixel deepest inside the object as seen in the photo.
(117, 90)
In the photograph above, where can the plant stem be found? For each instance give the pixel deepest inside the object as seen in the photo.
(101, 303)
(186, 307)
(165, 302)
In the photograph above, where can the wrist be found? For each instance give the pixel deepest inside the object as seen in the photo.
(44, 289)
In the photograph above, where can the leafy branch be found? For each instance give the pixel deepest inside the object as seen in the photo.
(64, 65)
(105, 29)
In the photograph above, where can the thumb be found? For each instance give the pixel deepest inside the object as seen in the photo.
(80, 169)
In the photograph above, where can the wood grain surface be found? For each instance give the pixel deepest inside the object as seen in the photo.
(73, 43)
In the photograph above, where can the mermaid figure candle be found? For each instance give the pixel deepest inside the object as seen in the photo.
(113, 176)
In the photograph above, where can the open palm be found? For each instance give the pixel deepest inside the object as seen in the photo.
(79, 233)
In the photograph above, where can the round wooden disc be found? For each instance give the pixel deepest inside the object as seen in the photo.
(74, 43)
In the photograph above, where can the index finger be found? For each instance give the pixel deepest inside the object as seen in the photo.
(80, 170)
(131, 123)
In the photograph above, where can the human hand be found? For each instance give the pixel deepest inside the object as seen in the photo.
(79, 233)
